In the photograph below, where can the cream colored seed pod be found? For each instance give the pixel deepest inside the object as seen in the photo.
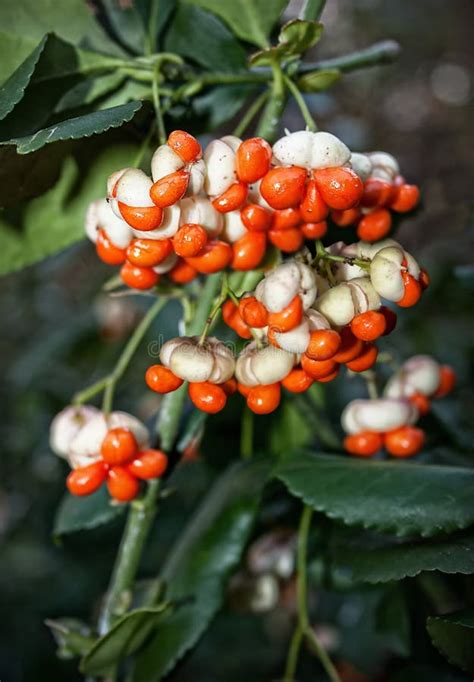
(296, 340)
(224, 361)
(310, 150)
(255, 197)
(199, 210)
(219, 158)
(233, 141)
(384, 163)
(283, 283)
(133, 188)
(342, 303)
(167, 264)
(197, 178)
(168, 228)
(368, 250)
(361, 164)
(234, 228)
(386, 273)
(380, 415)
(263, 366)
(212, 361)
(67, 424)
(85, 447)
(343, 272)
(113, 179)
(165, 161)
(316, 320)
(100, 216)
(419, 374)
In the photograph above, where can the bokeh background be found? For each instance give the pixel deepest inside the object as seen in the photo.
(58, 334)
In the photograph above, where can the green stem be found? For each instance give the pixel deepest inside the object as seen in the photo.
(246, 434)
(144, 147)
(371, 382)
(128, 352)
(85, 395)
(321, 253)
(270, 119)
(312, 10)
(303, 107)
(140, 518)
(293, 655)
(383, 52)
(251, 112)
(160, 124)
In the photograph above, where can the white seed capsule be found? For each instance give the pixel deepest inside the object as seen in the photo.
(113, 179)
(220, 164)
(386, 273)
(100, 216)
(296, 340)
(386, 162)
(311, 150)
(133, 188)
(200, 210)
(380, 415)
(263, 366)
(234, 228)
(165, 161)
(197, 178)
(255, 197)
(361, 164)
(66, 425)
(167, 264)
(233, 141)
(224, 361)
(191, 362)
(337, 304)
(419, 374)
(168, 228)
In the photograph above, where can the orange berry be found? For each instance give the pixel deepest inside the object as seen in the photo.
(232, 198)
(232, 318)
(207, 397)
(252, 159)
(271, 338)
(86, 480)
(422, 403)
(339, 187)
(314, 230)
(447, 381)
(256, 218)
(189, 240)
(248, 251)
(149, 252)
(317, 369)
(122, 485)
(345, 218)
(284, 187)
(253, 312)
(288, 318)
(182, 273)
(230, 386)
(351, 347)
(406, 198)
(297, 381)
(107, 252)
(215, 256)
(264, 399)
(118, 446)
(323, 344)
(412, 291)
(243, 389)
(368, 326)
(169, 189)
(375, 225)
(185, 145)
(329, 377)
(287, 241)
(137, 277)
(141, 218)
(377, 192)
(404, 442)
(161, 379)
(365, 360)
(363, 444)
(313, 209)
(286, 219)
(390, 319)
(149, 464)
(424, 279)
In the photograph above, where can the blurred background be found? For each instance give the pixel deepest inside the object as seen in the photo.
(59, 334)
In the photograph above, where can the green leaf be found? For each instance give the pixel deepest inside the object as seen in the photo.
(391, 560)
(90, 90)
(72, 20)
(72, 636)
(12, 91)
(453, 636)
(317, 81)
(56, 219)
(289, 430)
(393, 621)
(221, 103)
(126, 24)
(222, 51)
(84, 513)
(296, 37)
(123, 639)
(154, 15)
(75, 128)
(199, 563)
(250, 20)
(401, 497)
(15, 49)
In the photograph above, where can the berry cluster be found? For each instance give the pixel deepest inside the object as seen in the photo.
(307, 317)
(201, 213)
(388, 422)
(113, 450)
